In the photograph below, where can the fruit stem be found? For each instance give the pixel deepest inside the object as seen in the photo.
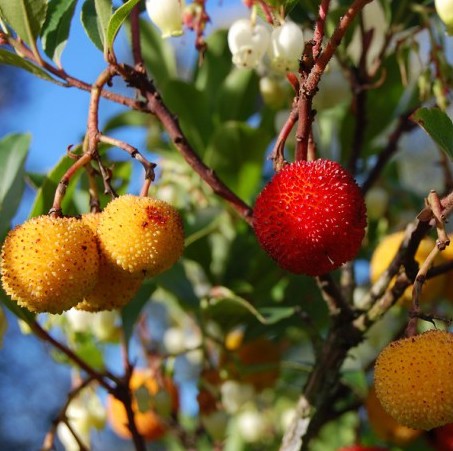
(134, 153)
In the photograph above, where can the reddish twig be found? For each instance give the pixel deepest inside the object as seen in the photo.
(318, 34)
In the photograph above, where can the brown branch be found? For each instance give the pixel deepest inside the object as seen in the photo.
(310, 84)
(156, 106)
(318, 34)
(134, 153)
(277, 155)
(135, 37)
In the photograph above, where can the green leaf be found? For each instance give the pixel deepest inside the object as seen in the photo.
(56, 28)
(103, 13)
(25, 17)
(194, 117)
(15, 60)
(176, 282)
(438, 125)
(236, 152)
(238, 95)
(131, 312)
(158, 55)
(117, 20)
(127, 119)
(89, 19)
(13, 151)
(46, 193)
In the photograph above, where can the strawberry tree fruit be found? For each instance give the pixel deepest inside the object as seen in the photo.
(141, 234)
(49, 264)
(311, 217)
(413, 377)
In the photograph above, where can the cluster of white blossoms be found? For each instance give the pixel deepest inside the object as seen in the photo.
(250, 42)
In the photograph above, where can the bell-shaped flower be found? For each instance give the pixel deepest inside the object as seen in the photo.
(285, 50)
(248, 43)
(167, 16)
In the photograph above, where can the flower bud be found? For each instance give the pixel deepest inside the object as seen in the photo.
(247, 43)
(167, 16)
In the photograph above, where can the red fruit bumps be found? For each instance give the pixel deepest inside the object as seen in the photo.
(311, 217)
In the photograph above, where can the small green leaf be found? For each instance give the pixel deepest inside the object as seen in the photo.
(12, 59)
(13, 151)
(46, 193)
(438, 126)
(131, 311)
(117, 20)
(56, 28)
(26, 17)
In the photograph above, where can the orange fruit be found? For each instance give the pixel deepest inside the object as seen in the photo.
(145, 391)
(384, 425)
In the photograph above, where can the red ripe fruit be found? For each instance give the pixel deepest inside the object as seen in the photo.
(311, 217)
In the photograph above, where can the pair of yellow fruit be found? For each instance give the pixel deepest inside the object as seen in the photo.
(96, 262)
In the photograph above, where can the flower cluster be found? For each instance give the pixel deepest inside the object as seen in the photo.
(249, 42)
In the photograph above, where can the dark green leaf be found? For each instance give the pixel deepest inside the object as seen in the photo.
(158, 55)
(103, 14)
(237, 152)
(438, 125)
(25, 17)
(131, 312)
(12, 59)
(46, 193)
(90, 23)
(55, 31)
(176, 282)
(117, 20)
(195, 119)
(238, 95)
(13, 151)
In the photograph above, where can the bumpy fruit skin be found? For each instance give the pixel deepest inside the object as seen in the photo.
(387, 249)
(148, 422)
(311, 217)
(115, 287)
(49, 264)
(141, 234)
(413, 378)
(385, 426)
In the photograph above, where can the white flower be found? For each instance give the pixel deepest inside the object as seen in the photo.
(285, 50)
(167, 16)
(247, 43)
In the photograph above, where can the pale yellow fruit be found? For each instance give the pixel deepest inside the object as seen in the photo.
(384, 254)
(115, 287)
(49, 264)
(141, 234)
(413, 378)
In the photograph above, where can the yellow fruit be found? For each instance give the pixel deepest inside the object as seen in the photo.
(115, 287)
(413, 378)
(141, 234)
(385, 426)
(49, 264)
(259, 363)
(384, 254)
(447, 254)
(144, 388)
